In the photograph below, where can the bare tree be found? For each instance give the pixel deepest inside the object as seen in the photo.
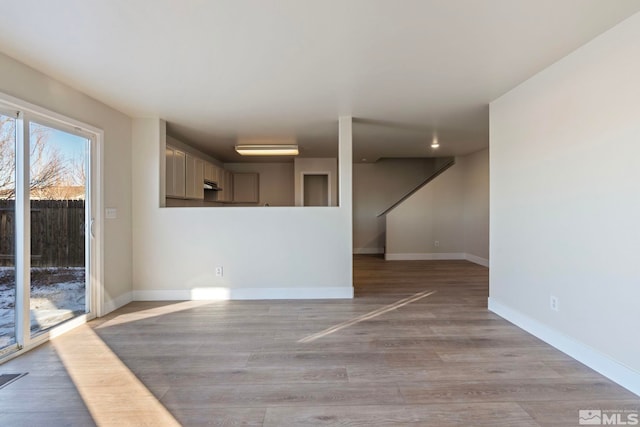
(78, 171)
(7, 157)
(48, 167)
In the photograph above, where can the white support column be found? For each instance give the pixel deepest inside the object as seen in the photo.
(163, 165)
(345, 179)
(345, 161)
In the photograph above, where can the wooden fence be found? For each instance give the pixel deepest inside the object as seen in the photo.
(57, 233)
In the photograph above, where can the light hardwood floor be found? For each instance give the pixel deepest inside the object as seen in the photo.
(439, 358)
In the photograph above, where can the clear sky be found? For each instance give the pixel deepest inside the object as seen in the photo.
(69, 145)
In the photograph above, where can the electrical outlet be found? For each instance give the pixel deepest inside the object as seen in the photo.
(436, 243)
(111, 213)
(554, 303)
(219, 271)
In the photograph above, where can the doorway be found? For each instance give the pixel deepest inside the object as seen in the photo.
(316, 190)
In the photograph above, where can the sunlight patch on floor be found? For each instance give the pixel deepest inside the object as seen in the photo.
(111, 392)
(153, 312)
(396, 305)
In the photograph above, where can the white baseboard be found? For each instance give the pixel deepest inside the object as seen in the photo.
(163, 295)
(423, 256)
(610, 368)
(477, 260)
(368, 251)
(243, 294)
(435, 256)
(116, 303)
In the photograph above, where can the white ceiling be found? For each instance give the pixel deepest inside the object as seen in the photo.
(217, 70)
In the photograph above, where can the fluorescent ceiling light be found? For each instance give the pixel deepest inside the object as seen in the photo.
(267, 150)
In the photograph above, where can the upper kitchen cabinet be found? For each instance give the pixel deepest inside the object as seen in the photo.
(194, 178)
(225, 182)
(220, 175)
(211, 173)
(246, 188)
(175, 173)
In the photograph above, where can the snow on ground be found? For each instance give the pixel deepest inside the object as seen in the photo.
(57, 294)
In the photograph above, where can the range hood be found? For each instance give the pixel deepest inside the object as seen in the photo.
(212, 186)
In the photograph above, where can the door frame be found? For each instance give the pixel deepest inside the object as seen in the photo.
(309, 172)
(25, 112)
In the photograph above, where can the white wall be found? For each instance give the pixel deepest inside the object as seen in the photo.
(376, 187)
(23, 82)
(451, 210)
(276, 181)
(565, 203)
(315, 165)
(266, 252)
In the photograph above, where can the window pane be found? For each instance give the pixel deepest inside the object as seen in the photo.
(58, 193)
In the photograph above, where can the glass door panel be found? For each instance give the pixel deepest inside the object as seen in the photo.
(7, 232)
(58, 195)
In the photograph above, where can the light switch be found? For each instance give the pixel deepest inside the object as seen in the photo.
(111, 213)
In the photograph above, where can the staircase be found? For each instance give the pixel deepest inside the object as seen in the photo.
(427, 180)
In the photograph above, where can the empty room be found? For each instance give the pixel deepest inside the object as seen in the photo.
(322, 213)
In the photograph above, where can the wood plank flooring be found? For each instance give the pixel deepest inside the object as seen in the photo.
(437, 361)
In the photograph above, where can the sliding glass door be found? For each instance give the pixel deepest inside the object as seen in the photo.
(45, 227)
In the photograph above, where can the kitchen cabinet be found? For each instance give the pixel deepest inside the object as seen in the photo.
(230, 181)
(210, 172)
(213, 173)
(226, 183)
(186, 174)
(246, 188)
(219, 174)
(175, 173)
(194, 177)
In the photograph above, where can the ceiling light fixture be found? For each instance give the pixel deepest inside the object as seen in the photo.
(434, 143)
(267, 150)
